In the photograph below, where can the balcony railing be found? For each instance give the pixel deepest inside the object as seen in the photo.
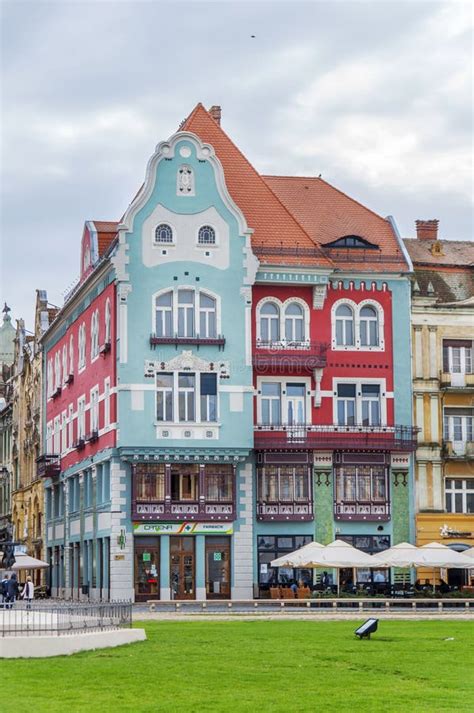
(177, 341)
(285, 355)
(48, 466)
(360, 511)
(285, 511)
(450, 380)
(458, 449)
(196, 510)
(386, 438)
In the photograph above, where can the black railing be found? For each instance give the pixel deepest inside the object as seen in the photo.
(399, 438)
(63, 618)
(176, 341)
(48, 466)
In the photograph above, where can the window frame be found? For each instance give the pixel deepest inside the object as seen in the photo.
(282, 342)
(467, 488)
(357, 308)
(174, 310)
(359, 400)
(164, 224)
(95, 342)
(176, 390)
(211, 244)
(284, 381)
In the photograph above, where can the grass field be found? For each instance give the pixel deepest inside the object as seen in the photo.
(288, 666)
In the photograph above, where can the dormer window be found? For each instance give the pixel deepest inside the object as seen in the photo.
(163, 234)
(351, 241)
(206, 235)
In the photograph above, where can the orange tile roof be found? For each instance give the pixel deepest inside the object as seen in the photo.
(327, 214)
(106, 232)
(276, 230)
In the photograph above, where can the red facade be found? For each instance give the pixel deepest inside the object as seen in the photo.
(70, 385)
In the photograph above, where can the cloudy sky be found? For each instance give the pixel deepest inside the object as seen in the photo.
(375, 96)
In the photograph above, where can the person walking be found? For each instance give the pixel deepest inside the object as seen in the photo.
(12, 591)
(28, 592)
(4, 589)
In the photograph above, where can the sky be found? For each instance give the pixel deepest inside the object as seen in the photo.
(375, 96)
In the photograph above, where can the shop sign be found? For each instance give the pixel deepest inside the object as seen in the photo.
(217, 556)
(146, 556)
(182, 528)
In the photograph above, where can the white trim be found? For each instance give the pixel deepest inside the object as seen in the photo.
(282, 380)
(358, 382)
(282, 306)
(174, 307)
(356, 308)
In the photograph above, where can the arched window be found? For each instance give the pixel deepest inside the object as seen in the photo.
(95, 335)
(344, 326)
(163, 234)
(71, 355)
(164, 315)
(207, 316)
(294, 323)
(369, 327)
(57, 370)
(81, 347)
(65, 364)
(270, 323)
(107, 322)
(206, 235)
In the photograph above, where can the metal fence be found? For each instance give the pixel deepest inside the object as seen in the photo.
(63, 618)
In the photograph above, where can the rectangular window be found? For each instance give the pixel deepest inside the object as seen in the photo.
(218, 483)
(207, 317)
(164, 397)
(186, 397)
(49, 437)
(346, 404)
(271, 403)
(149, 482)
(107, 403)
(57, 436)
(184, 483)
(185, 313)
(208, 397)
(70, 425)
(284, 483)
(94, 410)
(370, 405)
(270, 548)
(361, 484)
(64, 444)
(460, 495)
(164, 315)
(81, 418)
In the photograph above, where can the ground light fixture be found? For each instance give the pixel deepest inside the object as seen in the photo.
(367, 628)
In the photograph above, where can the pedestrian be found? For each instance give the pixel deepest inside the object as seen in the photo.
(4, 589)
(12, 591)
(28, 592)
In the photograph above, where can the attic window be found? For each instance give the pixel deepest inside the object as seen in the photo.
(351, 241)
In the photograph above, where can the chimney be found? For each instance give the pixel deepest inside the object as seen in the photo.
(215, 112)
(427, 229)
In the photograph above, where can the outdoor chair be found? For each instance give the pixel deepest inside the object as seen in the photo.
(287, 593)
(303, 592)
(274, 592)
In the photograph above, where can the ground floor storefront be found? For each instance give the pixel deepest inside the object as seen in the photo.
(456, 530)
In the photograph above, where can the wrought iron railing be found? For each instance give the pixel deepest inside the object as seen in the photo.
(176, 341)
(48, 466)
(401, 438)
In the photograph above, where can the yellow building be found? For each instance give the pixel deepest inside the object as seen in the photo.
(443, 390)
(27, 488)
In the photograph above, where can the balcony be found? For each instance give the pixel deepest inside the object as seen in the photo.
(48, 466)
(285, 511)
(456, 381)
(79, 444)
(383, 438)
(194, 511)
(283, 356)
(92, 437)
(105, 349)
(69, 379)
(177, 341)
(458, 450)
(362, 511)
(56, 392)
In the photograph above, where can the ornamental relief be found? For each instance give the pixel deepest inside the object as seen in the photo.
(187, 361)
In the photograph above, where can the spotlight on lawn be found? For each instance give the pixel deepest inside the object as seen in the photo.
(367, 628)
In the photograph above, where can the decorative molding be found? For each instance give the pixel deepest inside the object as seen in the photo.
(400, 460)
(187, 361)
(319, 295)
(323, 459)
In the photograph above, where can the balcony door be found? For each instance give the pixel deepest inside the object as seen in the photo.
(296, 409)
(458, 360)
(182, 568)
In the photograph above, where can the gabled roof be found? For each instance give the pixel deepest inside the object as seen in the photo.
(327, 214)
(278, 237)
(456, 253)
(106, 232)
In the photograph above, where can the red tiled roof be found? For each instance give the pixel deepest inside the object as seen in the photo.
(327, 214)
(274, 225)
(452, 252)
(106, 232)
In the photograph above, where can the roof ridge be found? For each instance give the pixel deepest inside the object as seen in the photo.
(260, 176)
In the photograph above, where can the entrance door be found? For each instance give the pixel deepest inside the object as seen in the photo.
(218, 567)
(147, 560)
(182, 568)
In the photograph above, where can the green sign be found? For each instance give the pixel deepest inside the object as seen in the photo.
(146, 556)
(217, 556)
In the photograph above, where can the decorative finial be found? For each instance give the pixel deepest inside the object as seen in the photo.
(6, 309)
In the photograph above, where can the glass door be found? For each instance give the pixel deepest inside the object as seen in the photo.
(182, 566)
(147, 554)
(296, 412)
(218, 567)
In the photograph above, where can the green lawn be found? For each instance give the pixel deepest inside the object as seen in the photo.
(261, 666)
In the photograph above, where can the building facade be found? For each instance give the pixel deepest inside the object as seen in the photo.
(443, 389)
(229, 380)
(7, 356)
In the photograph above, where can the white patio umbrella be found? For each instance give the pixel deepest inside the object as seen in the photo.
(439, 556)
(469, 553)
(402, 555)
(294, 559)
(27, 562)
